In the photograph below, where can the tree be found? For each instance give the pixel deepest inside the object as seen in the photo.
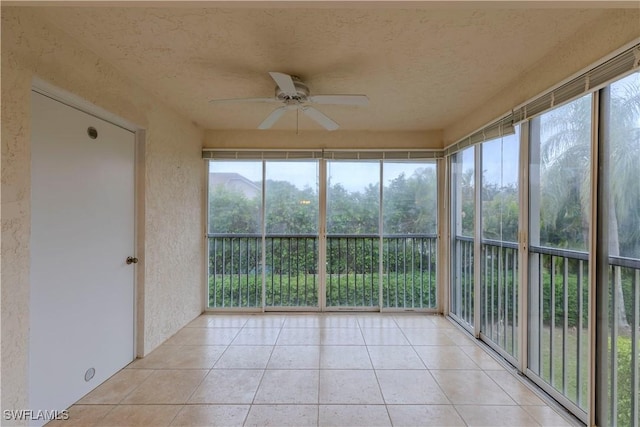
(500, 212)
(232, 212)
(289, 209)
(410, 203)
(566, 169)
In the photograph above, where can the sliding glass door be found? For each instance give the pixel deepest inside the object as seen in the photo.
(499, 285)
(266, 251)
(619, 284)
(409, 217)
(353, 240)
(559, 222)
(291, 234)
(263, 239)
(235, 235)
(462, 293)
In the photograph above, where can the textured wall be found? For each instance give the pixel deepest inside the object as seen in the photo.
(172, 197)
(614, 29)
(322, 139)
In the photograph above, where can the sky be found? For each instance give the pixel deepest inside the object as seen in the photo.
(500, 163)
(500, 160)
(354, 176)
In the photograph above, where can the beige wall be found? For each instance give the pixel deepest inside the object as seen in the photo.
(172, 183)
(589, 45)
(321, 139)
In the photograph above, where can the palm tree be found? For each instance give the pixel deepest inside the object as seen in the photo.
(566, 172)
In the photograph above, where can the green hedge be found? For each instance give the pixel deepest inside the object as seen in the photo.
(245, 290)
(624, 382)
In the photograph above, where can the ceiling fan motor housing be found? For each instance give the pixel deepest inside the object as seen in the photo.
(302, 91)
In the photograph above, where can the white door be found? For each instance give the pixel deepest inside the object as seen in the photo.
(82, 231)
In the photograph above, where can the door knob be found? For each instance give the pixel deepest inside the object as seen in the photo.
(132, 260)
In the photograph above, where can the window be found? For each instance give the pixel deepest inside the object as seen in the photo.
(266, 250)
(463, 231)
(500, 209)
(620, 201)
(559, 221)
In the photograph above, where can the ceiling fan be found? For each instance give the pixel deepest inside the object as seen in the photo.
(294, 94)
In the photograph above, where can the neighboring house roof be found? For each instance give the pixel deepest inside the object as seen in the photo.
(234, 181)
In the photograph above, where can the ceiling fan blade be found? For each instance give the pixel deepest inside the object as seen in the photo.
(243, 100)
(320, 117)
(284, 82)
(340, 99)
(272, 118)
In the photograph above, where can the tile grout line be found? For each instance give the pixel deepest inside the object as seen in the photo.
(319, 379)
(209, 326)
(375, 373)
(264, 371)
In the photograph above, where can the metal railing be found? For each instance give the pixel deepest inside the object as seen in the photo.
(291, 278)
(624, 352)
(409, 271)
(235, 277)
(353, 270)
(499, 294)
(558, 325)
(235, 270)
(462, 280)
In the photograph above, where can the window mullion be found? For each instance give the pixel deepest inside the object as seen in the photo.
(477, 233)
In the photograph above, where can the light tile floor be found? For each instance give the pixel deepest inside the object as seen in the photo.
(316, 370)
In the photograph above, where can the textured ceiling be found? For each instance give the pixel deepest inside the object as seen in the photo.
(421, 68)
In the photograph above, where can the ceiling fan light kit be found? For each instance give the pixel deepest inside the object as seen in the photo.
(295, 95)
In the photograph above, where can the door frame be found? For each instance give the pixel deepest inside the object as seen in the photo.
(74, 101)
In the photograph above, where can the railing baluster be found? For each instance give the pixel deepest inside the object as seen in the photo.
(495, 283)
(346, 263)
(415, 282)
(372, 265)
(579, 334)
(565, 328)
(330, 268)
(288, 271)
(504, 258)
(421, 272)
(305, 270)
(553, 320)
(239, 270)
(502, 298)
(215, 273)
(514, 306)
(465, 281)
(469, 285)
(396, 268)
(364, 269)
(404, 276)
(280, 250)
(339, 272)
(541, 312)
(431, 304)
(614, 347)
(488, 297)
(257, 263)
(248, 271)
(470, 289)
(635, 324)
(462, 307)
(273, 267)
(388, 273)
